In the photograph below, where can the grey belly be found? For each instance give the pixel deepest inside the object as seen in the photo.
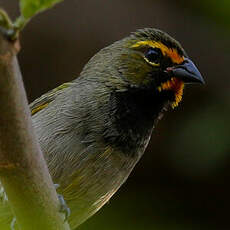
(89, 179)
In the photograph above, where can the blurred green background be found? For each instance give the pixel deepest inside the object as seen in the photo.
(182, 181)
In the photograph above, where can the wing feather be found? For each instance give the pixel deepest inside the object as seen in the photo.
(43, 101)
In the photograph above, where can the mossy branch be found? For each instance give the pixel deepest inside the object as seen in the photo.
(23, 171)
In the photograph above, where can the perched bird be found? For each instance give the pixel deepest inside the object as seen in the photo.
(93, 130)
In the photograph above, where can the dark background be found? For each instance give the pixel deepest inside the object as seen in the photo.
(182, 181)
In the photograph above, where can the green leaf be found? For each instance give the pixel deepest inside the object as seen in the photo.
(5, 20)
(31, 7)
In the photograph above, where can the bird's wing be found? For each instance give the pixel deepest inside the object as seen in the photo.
(43, 101)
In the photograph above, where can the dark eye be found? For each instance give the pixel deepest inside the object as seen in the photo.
(153, 55)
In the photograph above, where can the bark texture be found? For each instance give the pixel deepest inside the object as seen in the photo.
(23, 171)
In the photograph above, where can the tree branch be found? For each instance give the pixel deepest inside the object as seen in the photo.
(23, 171)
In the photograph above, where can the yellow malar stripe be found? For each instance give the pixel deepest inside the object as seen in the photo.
(177, 86)
(170, 52)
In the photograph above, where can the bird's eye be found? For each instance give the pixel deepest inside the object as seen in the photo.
(153, 55)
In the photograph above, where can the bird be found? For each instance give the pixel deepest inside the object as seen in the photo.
(94, 129)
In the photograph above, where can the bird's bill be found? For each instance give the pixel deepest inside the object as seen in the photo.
(187, 72)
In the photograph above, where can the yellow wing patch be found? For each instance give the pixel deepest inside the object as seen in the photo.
(45, 99)
(37, 109)
(170, 52)
(60, 87)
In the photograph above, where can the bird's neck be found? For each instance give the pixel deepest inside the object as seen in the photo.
(133, 115)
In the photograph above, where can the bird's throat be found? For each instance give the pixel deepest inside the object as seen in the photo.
(176, 86)
(134, 115)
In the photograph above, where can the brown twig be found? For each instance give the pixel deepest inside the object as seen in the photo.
(23, 171)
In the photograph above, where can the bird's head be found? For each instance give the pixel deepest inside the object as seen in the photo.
(150, 60)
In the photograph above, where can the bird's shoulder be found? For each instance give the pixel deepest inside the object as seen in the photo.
(43, 101)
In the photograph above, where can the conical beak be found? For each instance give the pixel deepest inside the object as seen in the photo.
(187, 72)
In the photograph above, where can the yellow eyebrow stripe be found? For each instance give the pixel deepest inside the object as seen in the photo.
(170, 52)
